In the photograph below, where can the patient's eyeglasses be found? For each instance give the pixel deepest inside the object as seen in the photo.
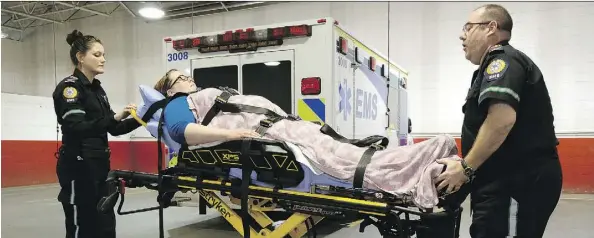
(182, 78)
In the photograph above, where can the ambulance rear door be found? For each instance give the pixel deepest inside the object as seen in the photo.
(268, 74)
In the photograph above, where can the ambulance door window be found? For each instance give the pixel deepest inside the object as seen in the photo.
(219, 76)
(270, 81)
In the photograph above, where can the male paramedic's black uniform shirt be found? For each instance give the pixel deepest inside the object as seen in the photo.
(83, 110)
(507, 75)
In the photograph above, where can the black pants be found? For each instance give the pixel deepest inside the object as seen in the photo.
(83, 184)
(536, 192)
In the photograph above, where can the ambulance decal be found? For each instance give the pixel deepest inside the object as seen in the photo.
(344, 102)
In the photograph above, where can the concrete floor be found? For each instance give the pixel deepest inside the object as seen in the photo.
(35, 212)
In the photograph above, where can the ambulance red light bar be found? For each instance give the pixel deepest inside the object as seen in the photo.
(227, 37)
(186, 43)
(239, 36)
(371, 63)
(289, 31)
(311, 86)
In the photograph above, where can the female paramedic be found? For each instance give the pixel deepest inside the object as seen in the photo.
(83, 111)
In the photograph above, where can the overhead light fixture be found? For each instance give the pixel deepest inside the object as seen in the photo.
(272, 63)
(151, 12)
(4, 35)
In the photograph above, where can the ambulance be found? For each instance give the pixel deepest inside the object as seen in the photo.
(313, 68)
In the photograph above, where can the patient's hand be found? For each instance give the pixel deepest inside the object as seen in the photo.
(238, 134)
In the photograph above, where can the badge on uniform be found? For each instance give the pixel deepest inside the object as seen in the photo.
(495, 70)
(70, 94)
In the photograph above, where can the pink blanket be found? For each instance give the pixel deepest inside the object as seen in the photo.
(405, 171)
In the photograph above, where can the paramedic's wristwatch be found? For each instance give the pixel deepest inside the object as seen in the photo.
(468, 171)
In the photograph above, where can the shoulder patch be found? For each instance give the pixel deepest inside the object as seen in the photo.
(70, 79)
(70, 93)
(495, 69)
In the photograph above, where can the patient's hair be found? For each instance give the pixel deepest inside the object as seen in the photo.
(80, 43)
(163, 84)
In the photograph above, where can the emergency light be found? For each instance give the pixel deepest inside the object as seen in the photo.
(236, 40)
(343, 46)
(371, 63)
(311, 86)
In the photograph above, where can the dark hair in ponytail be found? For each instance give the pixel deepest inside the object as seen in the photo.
(79, 43)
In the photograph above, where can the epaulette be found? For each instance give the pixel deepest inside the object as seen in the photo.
(70, 79)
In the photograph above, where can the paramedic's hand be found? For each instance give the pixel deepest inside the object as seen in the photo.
(453, 178)
(242, 133)
(126, 112)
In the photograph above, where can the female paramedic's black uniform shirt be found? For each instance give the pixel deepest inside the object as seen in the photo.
(509, 76)
(85, 116)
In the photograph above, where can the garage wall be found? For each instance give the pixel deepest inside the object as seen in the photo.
(423, 38)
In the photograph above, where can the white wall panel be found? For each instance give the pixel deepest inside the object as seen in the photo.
(424, 39)
(27, 117)
(552, 34)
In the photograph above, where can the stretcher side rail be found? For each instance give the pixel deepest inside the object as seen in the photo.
(386, 217)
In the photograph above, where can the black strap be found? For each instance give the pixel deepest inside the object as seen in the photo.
(216, 108)
(153, 109)
(245, 183)
(362, 165)
(160, 154)
(367, 141)
(366, 157)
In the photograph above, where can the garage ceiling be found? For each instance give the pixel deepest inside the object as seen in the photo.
(19, 16)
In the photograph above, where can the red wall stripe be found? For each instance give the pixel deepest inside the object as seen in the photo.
(33, 162)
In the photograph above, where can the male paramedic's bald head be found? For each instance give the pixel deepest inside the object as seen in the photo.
(486, 26)
(175, 82)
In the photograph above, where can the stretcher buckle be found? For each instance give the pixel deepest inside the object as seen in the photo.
(266, 123)
(220, 100)
(294, 117)
(377, 147)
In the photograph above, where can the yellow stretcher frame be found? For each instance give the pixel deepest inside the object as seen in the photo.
(295, 226)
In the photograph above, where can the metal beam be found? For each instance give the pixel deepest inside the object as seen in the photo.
(31, 16)
(128, 9)
(12, 28)
(58, 11)
(83, 9)
(241, 4)
(223, 4)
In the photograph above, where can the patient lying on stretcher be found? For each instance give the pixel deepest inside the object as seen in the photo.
(400, 170)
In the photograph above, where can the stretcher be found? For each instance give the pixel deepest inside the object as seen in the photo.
(264, 175)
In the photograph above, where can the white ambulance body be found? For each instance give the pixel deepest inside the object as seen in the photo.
(314, 69)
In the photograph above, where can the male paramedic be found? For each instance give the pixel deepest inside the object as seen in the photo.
(86, 117)
(508, 137)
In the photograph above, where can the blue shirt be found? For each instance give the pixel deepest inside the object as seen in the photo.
(177, 117)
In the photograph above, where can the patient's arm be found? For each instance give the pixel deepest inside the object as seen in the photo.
(183, 129)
